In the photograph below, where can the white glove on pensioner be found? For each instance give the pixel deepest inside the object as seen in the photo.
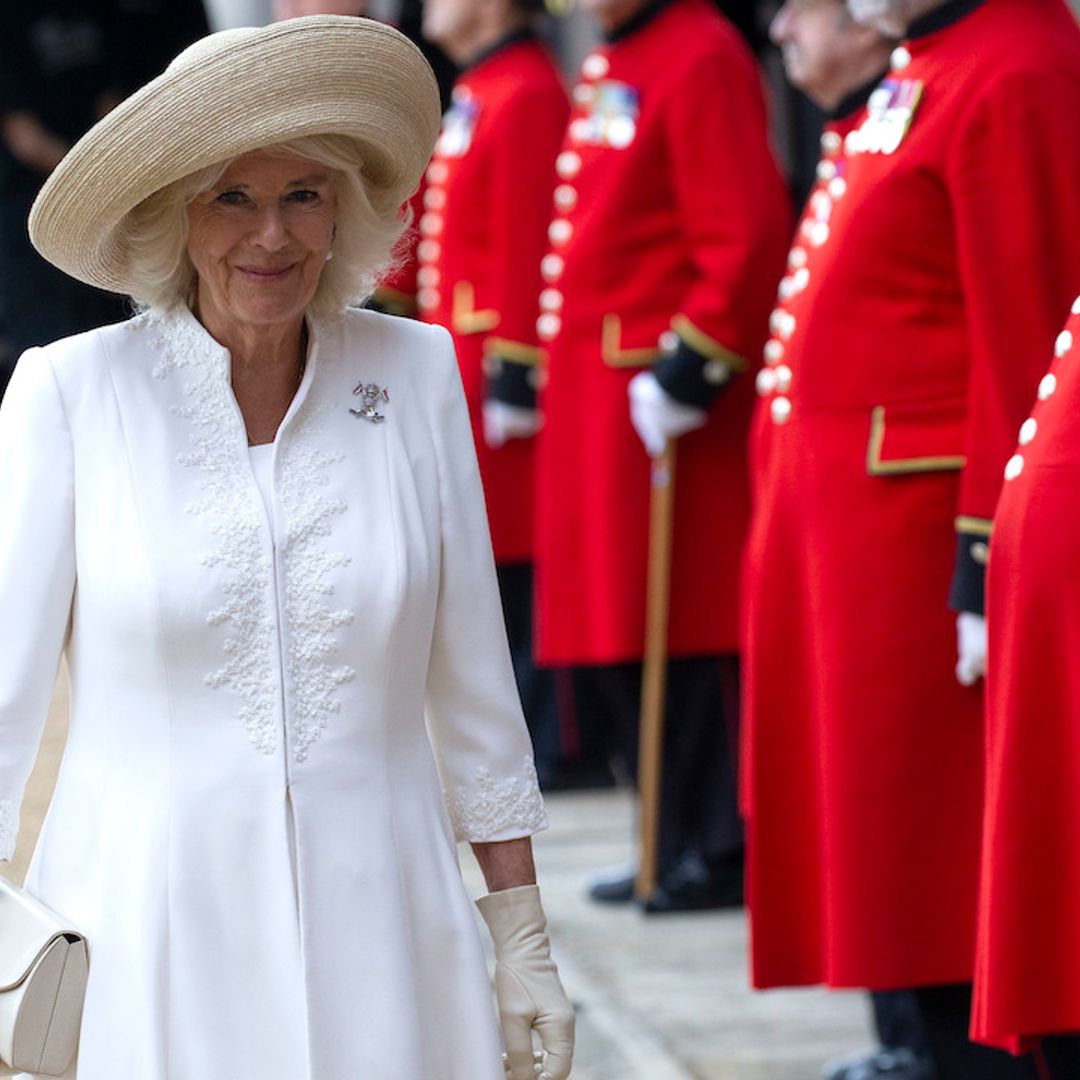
(504, 422)
(970, 647)
(657, 416)
(527, 987)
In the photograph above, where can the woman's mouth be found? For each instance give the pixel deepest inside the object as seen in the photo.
(265, 273)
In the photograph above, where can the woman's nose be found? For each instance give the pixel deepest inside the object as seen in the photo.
(270, 230)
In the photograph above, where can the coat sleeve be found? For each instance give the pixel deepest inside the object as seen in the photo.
(1013, 179)
(473, 710)
(736, 222)
(37, 570)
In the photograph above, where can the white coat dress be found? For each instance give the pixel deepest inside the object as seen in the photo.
(272, 746)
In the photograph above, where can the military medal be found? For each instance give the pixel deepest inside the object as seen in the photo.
(612, 116)
(891, 111)
(456, 136)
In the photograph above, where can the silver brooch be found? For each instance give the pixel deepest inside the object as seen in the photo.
(371, 397)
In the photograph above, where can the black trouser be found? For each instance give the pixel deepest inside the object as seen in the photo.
(898, 1022)
(946, 1013)
(536, 686)
(698, 804)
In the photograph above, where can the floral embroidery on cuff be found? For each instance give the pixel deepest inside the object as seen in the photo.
(9, 829)
(490, 808)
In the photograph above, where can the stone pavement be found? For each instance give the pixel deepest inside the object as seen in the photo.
(665, 997)
(658, 997)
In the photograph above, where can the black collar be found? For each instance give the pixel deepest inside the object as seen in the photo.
(522, 33)
(950, 12)
(855, 100)
(640, 20)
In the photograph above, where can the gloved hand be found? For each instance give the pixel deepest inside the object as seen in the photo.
(970, 647)
(503, 422)
(657, 416)
(527, 986)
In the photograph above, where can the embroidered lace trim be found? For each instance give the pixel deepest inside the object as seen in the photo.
(490, 808)
(231, 505)
(311, 645)
(9, 828)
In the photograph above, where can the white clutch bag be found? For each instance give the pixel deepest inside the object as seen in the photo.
(43, 972)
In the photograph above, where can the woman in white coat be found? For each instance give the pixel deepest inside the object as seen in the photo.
(252, 518)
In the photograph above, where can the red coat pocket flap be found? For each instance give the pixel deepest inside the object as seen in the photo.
(916, 437)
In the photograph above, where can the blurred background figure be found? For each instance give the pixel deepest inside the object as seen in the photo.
(483, 229)
(930, 274)
(57, 78)
(666, 241)
(837, 62)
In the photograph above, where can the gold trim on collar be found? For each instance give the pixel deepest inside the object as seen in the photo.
(709, 347)
(612, 352)
(876, 467)
(464, 318)
(973, 526)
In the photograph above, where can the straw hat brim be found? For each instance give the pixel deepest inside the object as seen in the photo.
(229, 94)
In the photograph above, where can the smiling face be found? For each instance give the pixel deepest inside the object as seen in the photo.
(259, 238)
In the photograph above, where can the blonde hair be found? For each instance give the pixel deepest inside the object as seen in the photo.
(367, 230)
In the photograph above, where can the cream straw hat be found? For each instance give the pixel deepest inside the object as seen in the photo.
(228, 94)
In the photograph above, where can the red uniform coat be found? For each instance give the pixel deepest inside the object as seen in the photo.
(483, 232)
(1028, 971)
(927, 283)
(670, 214)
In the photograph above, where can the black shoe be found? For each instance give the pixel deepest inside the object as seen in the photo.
(898, 1063)
(615, 887)
(692, 885)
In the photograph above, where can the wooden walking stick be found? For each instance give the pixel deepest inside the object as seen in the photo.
(654, 669)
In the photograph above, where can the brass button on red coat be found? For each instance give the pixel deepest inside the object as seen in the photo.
(552, 267)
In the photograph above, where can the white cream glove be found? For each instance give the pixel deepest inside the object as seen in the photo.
(504, 422)
(527, 986)
(657, 416)
(970, 647)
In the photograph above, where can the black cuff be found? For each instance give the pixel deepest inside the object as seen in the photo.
(968, 590)
(691, 377)
(510, 382)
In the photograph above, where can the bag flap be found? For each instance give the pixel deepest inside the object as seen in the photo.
(27, 928)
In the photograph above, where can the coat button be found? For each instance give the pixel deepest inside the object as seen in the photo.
(1047, 386)
(548, 326)
(783, 378)
(551, 267)
(837, 187)
(716, 372)
(900, 58)
(786, 289)
(1014, 467)
(826, 170)
(980, 552)
(774, 351)
(437, 172)
(831, 142)
(566, 197)
(1076, 306)
(579, 129)
(428, 277)
(568, 164)
(595, 66)
(560, 231)
(802, 279)
(1064, 343)
(435, 199)
(780, 410)
(1028, 430)
(583, 94)
(428, 299)
(431, 224)
(787, 326)
(551, 300)
(819, 233)
(428, 251)
(797, 258)
(765, 382)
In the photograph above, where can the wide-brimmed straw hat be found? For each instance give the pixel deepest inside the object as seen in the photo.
(228, 94)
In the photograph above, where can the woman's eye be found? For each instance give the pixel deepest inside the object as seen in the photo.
(232, 198)
(304, 195)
